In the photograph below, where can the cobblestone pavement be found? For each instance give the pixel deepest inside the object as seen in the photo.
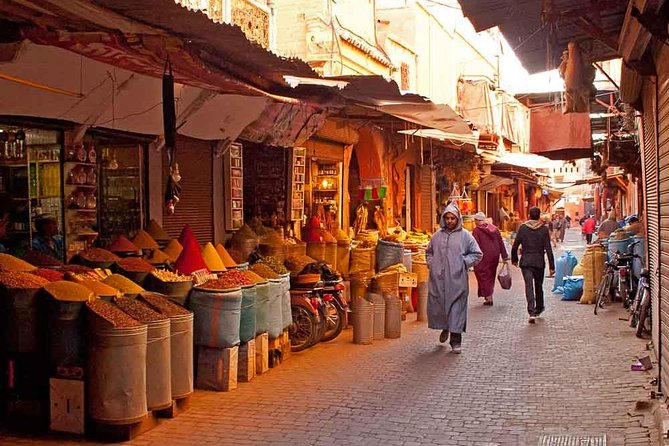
(568, 374)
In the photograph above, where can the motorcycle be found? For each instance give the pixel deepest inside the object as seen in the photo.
(624, 279)
(308, 326)
(335, 309)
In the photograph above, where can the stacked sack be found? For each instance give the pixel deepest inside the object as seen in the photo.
(592, 265)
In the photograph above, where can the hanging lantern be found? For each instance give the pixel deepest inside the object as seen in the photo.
(368, 193)
(382, 191)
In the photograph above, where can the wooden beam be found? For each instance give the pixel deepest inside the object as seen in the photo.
(595, 32)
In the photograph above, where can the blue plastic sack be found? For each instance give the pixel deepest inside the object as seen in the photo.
(564, 266)
(572, 261)
(573, 288)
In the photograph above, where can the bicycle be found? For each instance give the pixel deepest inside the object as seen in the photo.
(640, 314)
(613, 283)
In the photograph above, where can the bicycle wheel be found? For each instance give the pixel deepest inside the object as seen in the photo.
(603, 291)
(643, 316)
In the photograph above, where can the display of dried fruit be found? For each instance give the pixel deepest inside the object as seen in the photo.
(169, 276)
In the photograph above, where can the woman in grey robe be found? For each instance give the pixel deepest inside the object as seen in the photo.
(450, 254)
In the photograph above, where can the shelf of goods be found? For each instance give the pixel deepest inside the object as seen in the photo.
(30, 181)
(297, 185)
(234, 187)
(81, 202)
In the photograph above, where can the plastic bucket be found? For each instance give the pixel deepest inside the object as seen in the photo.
(422, 301)
(379, 315)
(262, 307)
(286, 311)
(247, 320)
(19, 320)
(181, 355)
(363, 321)
(393, 329)
(217, 317)
(158, 366)
(66, 325)
(116, 373)
(618, 245)
(275, 308)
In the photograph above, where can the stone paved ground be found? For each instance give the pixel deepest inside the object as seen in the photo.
(569, 373)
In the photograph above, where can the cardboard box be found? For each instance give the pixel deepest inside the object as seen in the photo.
(217, 368)
(262, 353)
(246, 368)
(66, 398)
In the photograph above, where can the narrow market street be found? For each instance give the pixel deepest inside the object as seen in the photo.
(568, 374)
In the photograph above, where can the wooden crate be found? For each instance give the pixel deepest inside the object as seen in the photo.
(217, 368)
(66, 398)
(285, 345)
(246, 368)
(262, 353)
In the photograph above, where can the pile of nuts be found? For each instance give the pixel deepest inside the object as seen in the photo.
(163, 304)
(139, 310)
(112, 314)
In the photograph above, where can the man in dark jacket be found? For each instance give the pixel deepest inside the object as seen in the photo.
(536, 242)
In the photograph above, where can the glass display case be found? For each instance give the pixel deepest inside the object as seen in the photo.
(120, 191)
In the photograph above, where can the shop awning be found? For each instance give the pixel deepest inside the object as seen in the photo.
(527, 160)
(560, 136)
(101, 95)
(492, 182)
(384, 96)
(463, 142)
(528, 27)
(139, 35)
